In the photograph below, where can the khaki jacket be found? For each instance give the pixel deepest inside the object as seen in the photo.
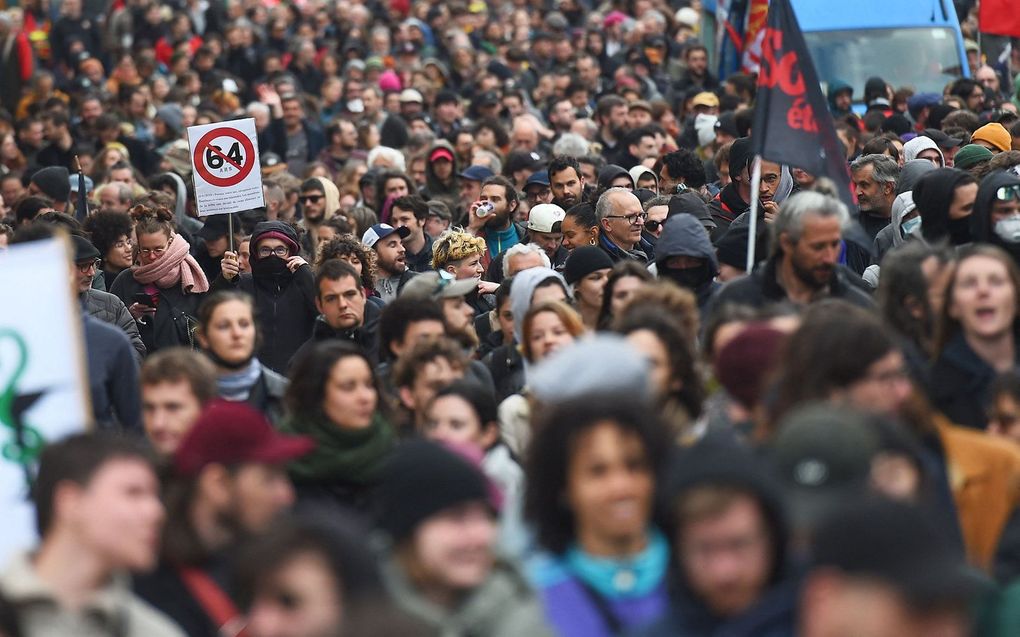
(112, 611)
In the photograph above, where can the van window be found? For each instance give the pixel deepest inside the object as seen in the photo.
(925, 58)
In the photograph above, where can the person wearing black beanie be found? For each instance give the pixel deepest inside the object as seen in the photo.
(735, 198)
(587, 271)
(436, 509)
(55, 183)
(731, 251)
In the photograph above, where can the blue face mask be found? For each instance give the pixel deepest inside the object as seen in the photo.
(910, 226)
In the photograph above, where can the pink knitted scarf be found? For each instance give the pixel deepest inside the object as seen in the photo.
(175, 266)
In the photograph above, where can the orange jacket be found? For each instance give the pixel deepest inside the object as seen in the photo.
(984, 475)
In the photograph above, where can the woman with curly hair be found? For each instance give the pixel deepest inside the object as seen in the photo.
(112, 233)
(458, 255)
(353, 252)
(164, 290)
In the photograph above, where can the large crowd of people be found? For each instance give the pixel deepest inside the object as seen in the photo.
(488, 361)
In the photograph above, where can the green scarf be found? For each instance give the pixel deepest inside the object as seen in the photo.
(345, 455)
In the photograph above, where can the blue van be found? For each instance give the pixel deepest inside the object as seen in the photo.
(913, 43)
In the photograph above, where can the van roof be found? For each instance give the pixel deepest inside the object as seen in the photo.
(822, 15)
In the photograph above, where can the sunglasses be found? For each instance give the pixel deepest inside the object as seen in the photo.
(1008, 193)
(309, 198)
(652, 225)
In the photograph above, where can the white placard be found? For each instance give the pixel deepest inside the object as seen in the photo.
(225, 167)
(43, 390)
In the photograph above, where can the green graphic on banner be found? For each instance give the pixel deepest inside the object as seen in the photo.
(27, 442)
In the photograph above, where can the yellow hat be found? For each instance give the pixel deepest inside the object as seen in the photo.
(994, 134)
(706, 98)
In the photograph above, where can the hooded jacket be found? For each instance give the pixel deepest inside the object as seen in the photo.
(523, 288)
(310, 240)
(921, 143)
(887, 238)
(684, 236)
(435, 188)
(933, 195)
(611, 172)
(284, 302)
(110, 309)
(185, 224)
(718, 460)
(835, 88)
(691, 203)
(984, 230)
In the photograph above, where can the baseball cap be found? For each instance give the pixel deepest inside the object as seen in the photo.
(476, 173)
(545, 217)
(410, 95)
(823, 458)
(232, 433)
(642, 105)
(899, 544)
(439, 209)
(941, 139)
(434, 285)
(538, 178)
(441, 153)
(380, 231)
(705, 98)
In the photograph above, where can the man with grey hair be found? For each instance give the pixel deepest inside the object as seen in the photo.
(621, 220)
(114, 196)
(875, 179)
(804, 267)
(524, 256)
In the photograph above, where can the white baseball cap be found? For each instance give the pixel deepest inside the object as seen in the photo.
(544, 217)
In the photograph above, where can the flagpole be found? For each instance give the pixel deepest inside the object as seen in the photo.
(752, 235)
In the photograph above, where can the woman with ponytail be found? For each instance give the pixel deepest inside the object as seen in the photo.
(166, 285)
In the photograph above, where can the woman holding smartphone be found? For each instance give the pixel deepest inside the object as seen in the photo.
(165, 287)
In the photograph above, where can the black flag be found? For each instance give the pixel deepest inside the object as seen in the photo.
(792, 124)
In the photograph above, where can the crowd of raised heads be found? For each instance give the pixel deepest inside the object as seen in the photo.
(489, 361)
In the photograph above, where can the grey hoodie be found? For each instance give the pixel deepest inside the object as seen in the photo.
(184, 222)
(914, 147)
(523, 288)
(684, 236)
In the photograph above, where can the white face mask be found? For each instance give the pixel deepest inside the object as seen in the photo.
(910, 226)
(1008, 229)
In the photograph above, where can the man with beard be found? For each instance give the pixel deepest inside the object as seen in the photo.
(611, 116)
(807, 238)
(391, 272)
(319, 201)
(497, 227)
(566, 182)
(229, 482)
(875, 185)
(283, 286)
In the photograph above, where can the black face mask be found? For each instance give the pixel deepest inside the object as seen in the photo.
(959, 231)
(690, 278)
(269, 267)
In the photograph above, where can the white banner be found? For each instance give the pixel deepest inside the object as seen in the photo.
(225, 166)
(43, 390)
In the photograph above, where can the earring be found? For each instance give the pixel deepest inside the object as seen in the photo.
(592, 241)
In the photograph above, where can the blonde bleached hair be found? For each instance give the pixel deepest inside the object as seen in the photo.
(454, 245)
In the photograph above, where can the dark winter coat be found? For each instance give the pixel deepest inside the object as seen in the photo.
(108, 308)
(174, 323)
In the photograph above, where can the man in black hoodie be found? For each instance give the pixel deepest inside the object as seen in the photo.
(283, 287)
(728, 539)
(735, 198)
(945, 200)
(685, 256)
(996, 217)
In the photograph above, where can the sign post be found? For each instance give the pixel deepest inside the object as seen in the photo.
(225, 163)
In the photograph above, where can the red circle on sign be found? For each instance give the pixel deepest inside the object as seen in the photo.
(206, 142)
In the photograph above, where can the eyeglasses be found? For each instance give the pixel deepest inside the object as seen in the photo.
(1008, 193)
(120, 245)
(158, 252)
(309, 198)
(632, 219)
(88, 265)
(280, 251)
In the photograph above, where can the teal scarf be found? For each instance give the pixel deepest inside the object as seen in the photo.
(345, 455)
(628, 577)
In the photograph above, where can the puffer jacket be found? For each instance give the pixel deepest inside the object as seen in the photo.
(108, 308)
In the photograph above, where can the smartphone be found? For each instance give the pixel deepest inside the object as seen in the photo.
(142, 299)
